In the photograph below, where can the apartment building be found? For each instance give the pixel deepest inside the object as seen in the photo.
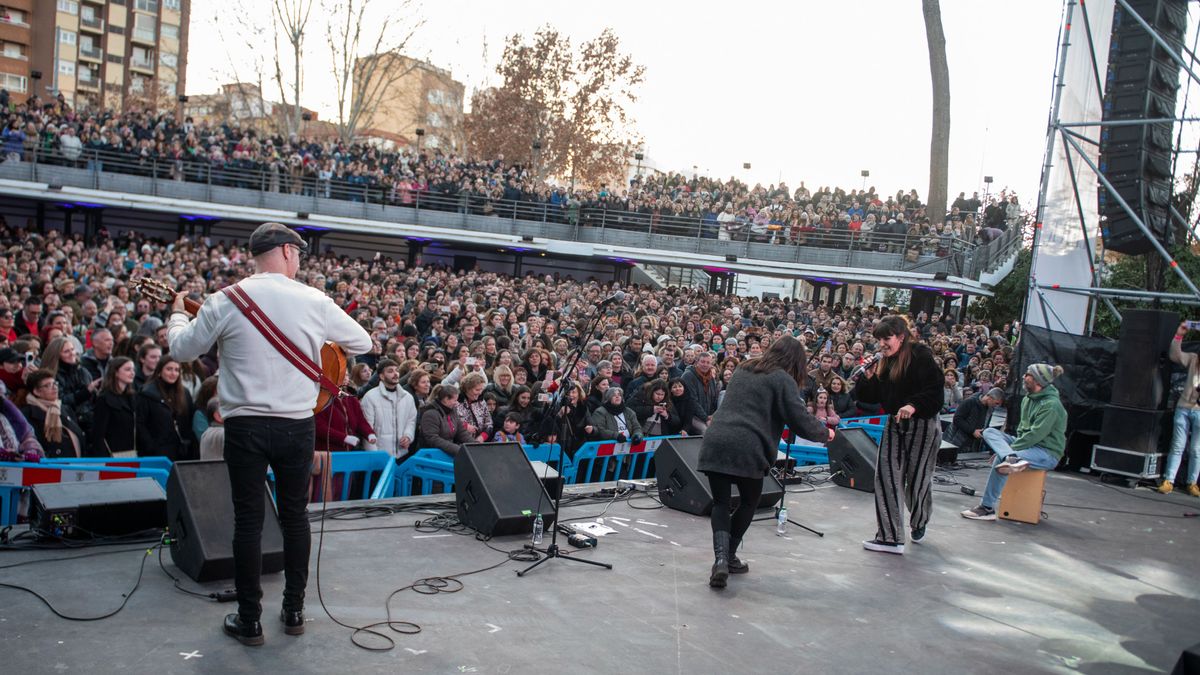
(119, 54)
(415, 95)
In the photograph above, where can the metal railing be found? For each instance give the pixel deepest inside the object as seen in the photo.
(288, 187)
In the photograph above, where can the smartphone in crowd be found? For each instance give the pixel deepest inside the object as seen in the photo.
(1192, 325)
(472, 361)
(543, 398)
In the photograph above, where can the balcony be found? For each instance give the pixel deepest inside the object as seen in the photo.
(93, 25)
(142, 65)
(88, 85)
(144, 36)
(91, 54)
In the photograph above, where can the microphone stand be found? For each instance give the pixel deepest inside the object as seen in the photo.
(556, 406)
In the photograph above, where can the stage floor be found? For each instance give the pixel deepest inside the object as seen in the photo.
(1110, 587)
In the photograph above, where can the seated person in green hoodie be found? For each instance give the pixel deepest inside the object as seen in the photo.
(1040, 441)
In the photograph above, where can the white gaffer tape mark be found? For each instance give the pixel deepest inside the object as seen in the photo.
(415, 652)
(618, 518)
(648, 534)
(494, 627)
(675, 543)
(617, 522)
(430, 536)
(646, 522)
(187, 656)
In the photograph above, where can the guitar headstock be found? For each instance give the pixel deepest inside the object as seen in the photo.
(156, 290)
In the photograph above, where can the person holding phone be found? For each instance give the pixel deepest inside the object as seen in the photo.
(1187, 417)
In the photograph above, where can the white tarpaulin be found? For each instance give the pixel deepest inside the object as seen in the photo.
(1061, 257)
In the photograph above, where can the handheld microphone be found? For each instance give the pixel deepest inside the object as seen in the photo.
(866, 366)
(618, 296)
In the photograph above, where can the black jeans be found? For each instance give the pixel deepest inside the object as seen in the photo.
(749, 490)
(251, 443)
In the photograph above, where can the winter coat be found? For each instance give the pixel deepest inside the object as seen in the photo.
(338, 420)
(73, 381)
(477, 415)
(705, 399)
(64, 448)
(606, 429)
(670, 425)
(442, 429)
(159, 430)
(393, 415)
(113, 424)
(743, 439)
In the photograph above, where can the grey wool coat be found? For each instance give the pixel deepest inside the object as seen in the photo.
(743, 439)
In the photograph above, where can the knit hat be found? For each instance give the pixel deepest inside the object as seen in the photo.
(610, 392)
(1043, 373)
(996, 394)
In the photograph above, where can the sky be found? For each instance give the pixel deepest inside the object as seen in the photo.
(807, 91)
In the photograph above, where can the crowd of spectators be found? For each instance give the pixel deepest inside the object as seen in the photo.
(86, 368)
(665, 203)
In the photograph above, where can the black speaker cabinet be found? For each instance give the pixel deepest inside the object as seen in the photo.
(100, 508)
(200, 517)
(852, 457)
(1141, 379)
(1133, 429)
(497, 491)
(683, 488)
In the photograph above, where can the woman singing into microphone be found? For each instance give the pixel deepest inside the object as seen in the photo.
(742, 442)
(907, 383)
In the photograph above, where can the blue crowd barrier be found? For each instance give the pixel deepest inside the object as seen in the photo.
(156, 462)
(547, 453)
(598, 461)
(423, 470)
(803, 454)
(872, 425)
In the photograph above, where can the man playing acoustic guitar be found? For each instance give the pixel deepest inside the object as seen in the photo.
(267, 388)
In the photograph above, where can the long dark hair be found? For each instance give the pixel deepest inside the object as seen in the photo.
(109, 383)
(894, 366)
(786, 354)
(175, 395)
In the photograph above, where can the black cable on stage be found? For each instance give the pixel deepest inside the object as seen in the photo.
(127, 595)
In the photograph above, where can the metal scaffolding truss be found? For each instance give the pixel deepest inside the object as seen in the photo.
(1079, 161)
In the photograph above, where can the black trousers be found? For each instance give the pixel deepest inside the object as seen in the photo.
(737, 522)
(251, 444)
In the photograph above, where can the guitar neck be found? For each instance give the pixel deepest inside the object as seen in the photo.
(191, 306)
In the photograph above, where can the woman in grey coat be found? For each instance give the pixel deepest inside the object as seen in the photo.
(741, 444)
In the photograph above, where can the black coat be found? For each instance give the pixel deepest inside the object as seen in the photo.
(113, 424)
(919, 386)
(645, 410)
(743, 439)
(159, 430)
(971, 414)
(37, 419)
(73, 381)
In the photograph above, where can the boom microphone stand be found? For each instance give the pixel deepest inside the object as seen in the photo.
(556, 406)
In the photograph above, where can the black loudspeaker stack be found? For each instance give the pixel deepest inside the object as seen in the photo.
(497, 491)
(1142, 82)
(683, 488)
(200, 519)
(852, 458)
(1135, 420)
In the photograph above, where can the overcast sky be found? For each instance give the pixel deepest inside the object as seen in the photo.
(812, 91)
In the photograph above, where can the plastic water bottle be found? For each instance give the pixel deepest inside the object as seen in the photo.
(781, 518)
(537, 530)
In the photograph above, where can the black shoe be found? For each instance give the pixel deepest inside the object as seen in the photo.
(736, 566)
(918, 535)
(720, 568)
(246, 632)
(293, 621)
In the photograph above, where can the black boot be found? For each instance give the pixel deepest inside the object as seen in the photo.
(720, 568)
(245, 632)
(736, 566)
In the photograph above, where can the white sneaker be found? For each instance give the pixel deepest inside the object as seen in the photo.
(883, 547)
(1010, 466)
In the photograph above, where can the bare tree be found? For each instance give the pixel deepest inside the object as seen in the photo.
(291, 18)
(365, 81)
(574, 105)
(939, 142)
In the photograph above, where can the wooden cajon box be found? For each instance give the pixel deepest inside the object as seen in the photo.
(1022, 497)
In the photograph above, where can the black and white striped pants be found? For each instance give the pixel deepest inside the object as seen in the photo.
(907, 458)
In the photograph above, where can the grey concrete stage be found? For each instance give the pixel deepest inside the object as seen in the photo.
(1090, 589)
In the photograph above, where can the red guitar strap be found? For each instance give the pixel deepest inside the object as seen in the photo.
(278, 340)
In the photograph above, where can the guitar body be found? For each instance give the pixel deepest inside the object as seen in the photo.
(333, 365)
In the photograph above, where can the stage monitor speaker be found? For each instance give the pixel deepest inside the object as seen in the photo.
(497, 491)
(200, 517)
(1133, 429)
(1142, 377)
(852, 457)
(683, 488)
(100, 508)
(1189, 661)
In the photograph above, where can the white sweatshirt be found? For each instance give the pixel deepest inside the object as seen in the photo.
(255, 379)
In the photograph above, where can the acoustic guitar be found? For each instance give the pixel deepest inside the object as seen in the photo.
(332, 359)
